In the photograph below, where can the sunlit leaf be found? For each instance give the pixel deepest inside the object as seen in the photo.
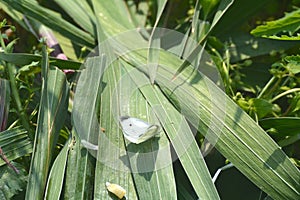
(56, 175)
(52, 112)
(51, 19)
(289, 23)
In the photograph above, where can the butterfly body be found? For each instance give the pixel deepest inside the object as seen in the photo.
(136, 130)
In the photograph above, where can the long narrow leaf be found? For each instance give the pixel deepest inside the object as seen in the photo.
(226, 126)
(181, 137)
(113, 22)
(150, 161)
(81, 12)
(223, 7)
(52, 111)
(51, 19)
(19, 140)
(56, 175)
(154, 42)
(4, 102)
(26, 59)
(80, 172)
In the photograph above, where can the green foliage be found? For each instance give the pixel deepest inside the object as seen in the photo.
(281, 29)
(12, 183)
(15, 143)
(260, 77)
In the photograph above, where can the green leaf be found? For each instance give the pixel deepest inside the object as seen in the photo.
(12, 183)
(289, 23)
(27, 59)
(284, 126)
(261, 107)
(138, 12)
(195, 55)
(215, 115)
(109, 167)
(154, 41)
(232, 131)
(56, 176)
(80, 173)
(81, 13)
(293, 63)
(240, 139)
(4, 102)
(111, 146)
(52, 112)
(51, 19)
(180, 136)
(150, 161)
(114, 22)
(15, 143)
(149, 183)
(284, 37)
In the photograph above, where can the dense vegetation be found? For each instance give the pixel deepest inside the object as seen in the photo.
(220, 77)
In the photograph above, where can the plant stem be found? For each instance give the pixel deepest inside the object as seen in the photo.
(7, 161)
(14, 90)
(266, 87)
(16, 97)
(285, 93)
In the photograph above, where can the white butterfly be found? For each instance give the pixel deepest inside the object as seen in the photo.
(136, 130)
(89, 145)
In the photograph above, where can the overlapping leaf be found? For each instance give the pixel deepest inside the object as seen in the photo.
(52, 112)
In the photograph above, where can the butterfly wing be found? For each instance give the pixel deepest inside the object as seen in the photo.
(151, 132)
(136, 130)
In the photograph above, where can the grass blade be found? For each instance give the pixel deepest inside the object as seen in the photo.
(180, 135)
(19, 140)
(51, 19)
(56, 175)
(52, 111)
(80, 172)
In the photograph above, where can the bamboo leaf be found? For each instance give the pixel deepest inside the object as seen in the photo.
(225, 125)
(26, 59)
(80, 171)
(232, 131)
(56, 175)
(52, 111)
(154, 42)
(4, 102)
(51, 19)
(113, 22)
(196, 54)
(85, 121)
(81, 13)
(19, 140)
(180, 135)
(150, 161)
